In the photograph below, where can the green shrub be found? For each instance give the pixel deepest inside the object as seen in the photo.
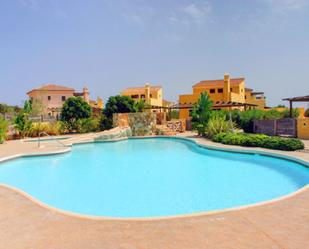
(4, 125)
(51, 129)
(201, 113)
(259, 140)
(286, 113)
(218, 124)
(247, 117)
(306, 114)
(219, 137)
(105, 123)
(22, 123)
(88, 125)
(288, 144)
(75, 109)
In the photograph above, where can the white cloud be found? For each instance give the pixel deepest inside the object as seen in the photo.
(134, 18)
(32, 4)
(197, 13)
(284, 6)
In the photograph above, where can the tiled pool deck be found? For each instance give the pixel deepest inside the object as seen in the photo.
(24, 223)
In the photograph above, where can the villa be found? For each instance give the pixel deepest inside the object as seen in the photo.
(222, 92)
(153, 96)
(53, 96)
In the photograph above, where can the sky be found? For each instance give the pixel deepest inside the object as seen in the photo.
(109, 45)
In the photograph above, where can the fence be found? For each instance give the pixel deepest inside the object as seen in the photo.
(42, 118)
(277, 127)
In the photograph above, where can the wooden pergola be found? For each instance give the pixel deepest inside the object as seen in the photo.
(216, 105)
(296, 99)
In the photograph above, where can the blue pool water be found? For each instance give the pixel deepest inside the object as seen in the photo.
(152, 177)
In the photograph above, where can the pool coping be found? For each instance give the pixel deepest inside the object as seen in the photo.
(68, 148)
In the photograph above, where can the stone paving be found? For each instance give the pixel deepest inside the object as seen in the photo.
(25, 224)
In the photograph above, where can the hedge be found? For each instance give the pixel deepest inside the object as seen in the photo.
(259, 140)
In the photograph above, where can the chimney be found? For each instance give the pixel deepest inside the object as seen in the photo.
(227, 87)
(147, 93)
(86, 94)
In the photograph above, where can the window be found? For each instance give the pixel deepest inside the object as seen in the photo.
(49, 98)
(143, 96)
(134, 96)
(63, 98)
(220, 90)
(212, 90)
(150, 95)
(231, 89)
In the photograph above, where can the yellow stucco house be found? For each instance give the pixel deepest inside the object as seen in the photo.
(225, 90)
(53, 96)
(153, 95)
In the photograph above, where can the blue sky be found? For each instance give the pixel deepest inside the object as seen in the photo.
(111, 44)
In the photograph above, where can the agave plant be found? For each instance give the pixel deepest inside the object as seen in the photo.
(218, 124)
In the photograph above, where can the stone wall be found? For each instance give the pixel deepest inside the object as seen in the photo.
(115, 133)
(141, 123)
(176, 125)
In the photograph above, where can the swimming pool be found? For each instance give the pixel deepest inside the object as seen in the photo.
(152, 177)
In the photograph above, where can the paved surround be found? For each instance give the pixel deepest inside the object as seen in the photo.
(24, 223)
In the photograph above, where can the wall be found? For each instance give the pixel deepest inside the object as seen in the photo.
(177, 125)
(277, 127)
(303, 128)
(54, 102)
(141, 123)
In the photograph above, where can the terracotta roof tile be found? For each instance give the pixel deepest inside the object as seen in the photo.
(140, 89)
(218, 83)
(52, 87)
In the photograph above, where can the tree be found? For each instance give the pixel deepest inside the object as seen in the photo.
(4, 125)
(201, 113)
(117, 104)
(27, 106)
(74, 109)
(37, 107)
(4, 108)
(22, 123)
(139, 106)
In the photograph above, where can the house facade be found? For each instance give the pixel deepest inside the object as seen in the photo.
(226, 90)
(152, 95)
(53, 96)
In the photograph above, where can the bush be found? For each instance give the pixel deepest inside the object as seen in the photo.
(218, 124)
(73, 110)
(105, 123)
(118, 104)
(88, 125)
(246, 119)
(259, 140)
(4, 125)
(51, 129)
(22, 124)
(288, 144)
(307, 113)
(201, 113)
(286, 113)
